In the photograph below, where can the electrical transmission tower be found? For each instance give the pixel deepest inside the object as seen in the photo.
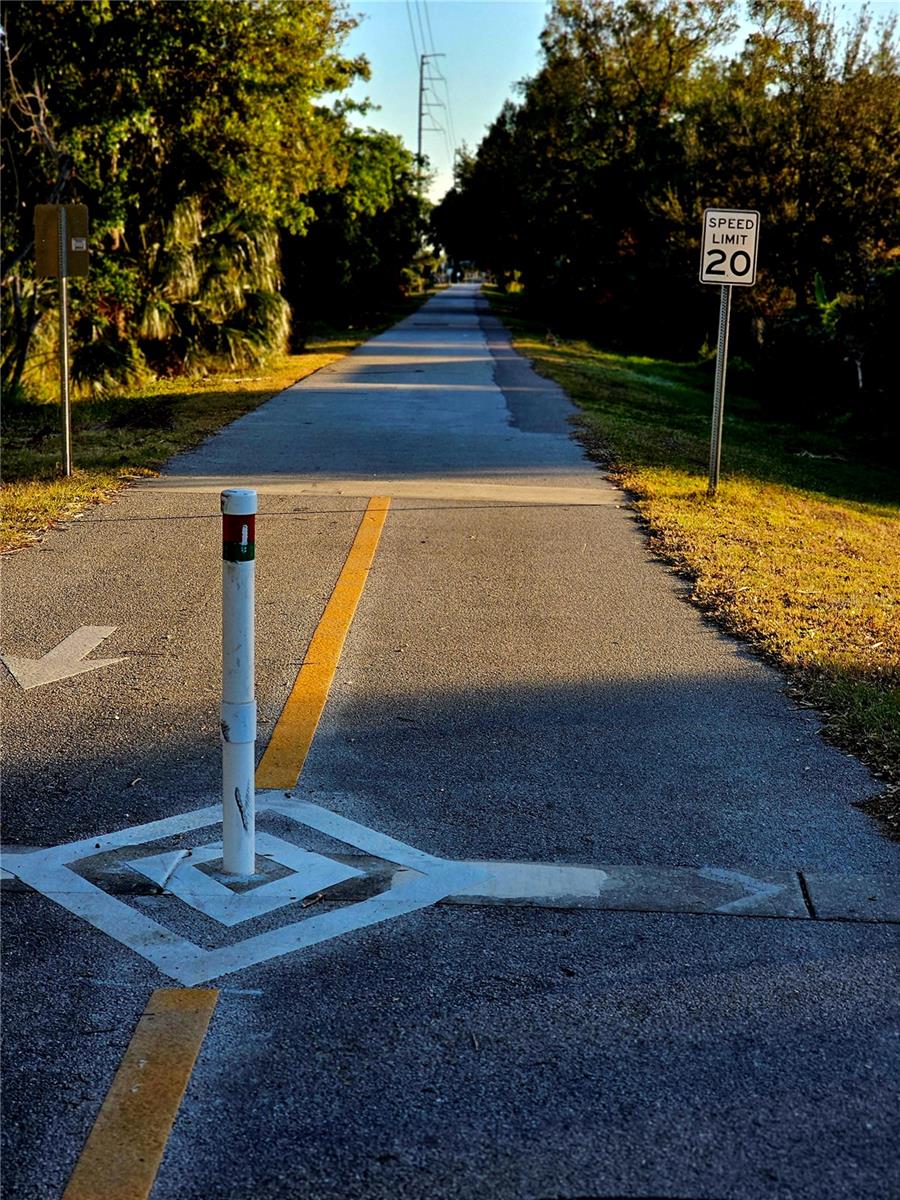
(428, 102)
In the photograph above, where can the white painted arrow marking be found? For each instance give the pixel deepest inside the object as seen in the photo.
(756, 888)
(63, 660)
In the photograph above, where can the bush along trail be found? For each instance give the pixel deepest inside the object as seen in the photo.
(799, 552)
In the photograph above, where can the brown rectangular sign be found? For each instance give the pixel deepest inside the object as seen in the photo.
(47, 242)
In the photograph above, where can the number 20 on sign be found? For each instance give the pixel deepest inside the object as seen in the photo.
(727, 258)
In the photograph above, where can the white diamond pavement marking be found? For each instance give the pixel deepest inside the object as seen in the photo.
(310, 873)
(428, 880)
(420, 881)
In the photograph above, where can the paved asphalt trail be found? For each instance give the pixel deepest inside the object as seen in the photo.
(522, 681)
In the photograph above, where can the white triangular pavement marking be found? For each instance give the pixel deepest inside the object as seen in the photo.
(159, 867)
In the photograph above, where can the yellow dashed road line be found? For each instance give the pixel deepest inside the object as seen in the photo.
(292, 736)
(122, 1155)
(126, 1145)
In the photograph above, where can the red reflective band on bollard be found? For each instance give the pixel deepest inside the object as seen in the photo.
(238, 538)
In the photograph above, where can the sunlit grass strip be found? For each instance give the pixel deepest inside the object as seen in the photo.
(798, 554)
(114, 442)
(29, 509)
(809, 581)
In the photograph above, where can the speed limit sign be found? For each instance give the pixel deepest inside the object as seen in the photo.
(728, 252)
(728, 258)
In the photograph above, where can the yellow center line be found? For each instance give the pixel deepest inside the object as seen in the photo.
(122, 1155)
(126, 1145)
(283, 760)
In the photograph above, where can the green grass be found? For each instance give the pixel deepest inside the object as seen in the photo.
(118, 439)
(122, 437)
(798, 553)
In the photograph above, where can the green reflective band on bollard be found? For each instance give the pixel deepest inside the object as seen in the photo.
(238, 538)
(237, 552)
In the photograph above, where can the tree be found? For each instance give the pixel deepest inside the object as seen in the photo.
(804, 125)
(480, 220)
(352, 257)
(593, 186)
(567, 186)
(191, 129)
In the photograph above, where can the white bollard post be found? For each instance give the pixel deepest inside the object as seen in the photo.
(238, 711)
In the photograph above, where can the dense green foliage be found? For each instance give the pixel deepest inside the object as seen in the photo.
(197, 133)
(358, 251)
(591, 188)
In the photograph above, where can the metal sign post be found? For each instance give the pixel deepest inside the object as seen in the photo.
(64, 343)
(727, 258)
(61, 250)
(715, 444)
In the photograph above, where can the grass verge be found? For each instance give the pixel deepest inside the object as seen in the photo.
(123, 437)
(798, 553)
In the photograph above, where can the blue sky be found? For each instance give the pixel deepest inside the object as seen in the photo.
(489, 46)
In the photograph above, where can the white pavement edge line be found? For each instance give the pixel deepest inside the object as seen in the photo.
(550, 495)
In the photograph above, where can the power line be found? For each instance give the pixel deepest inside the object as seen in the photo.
(428, 22)
(426, 108)
(412, 32)
(436, 103)
(422, 27)
(431, 78)
(447, 128)
(450, 122)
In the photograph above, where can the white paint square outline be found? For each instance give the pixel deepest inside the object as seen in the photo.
(309, 873)
(428, 880)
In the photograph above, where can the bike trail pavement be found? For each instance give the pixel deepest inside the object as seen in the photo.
(559, 895)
